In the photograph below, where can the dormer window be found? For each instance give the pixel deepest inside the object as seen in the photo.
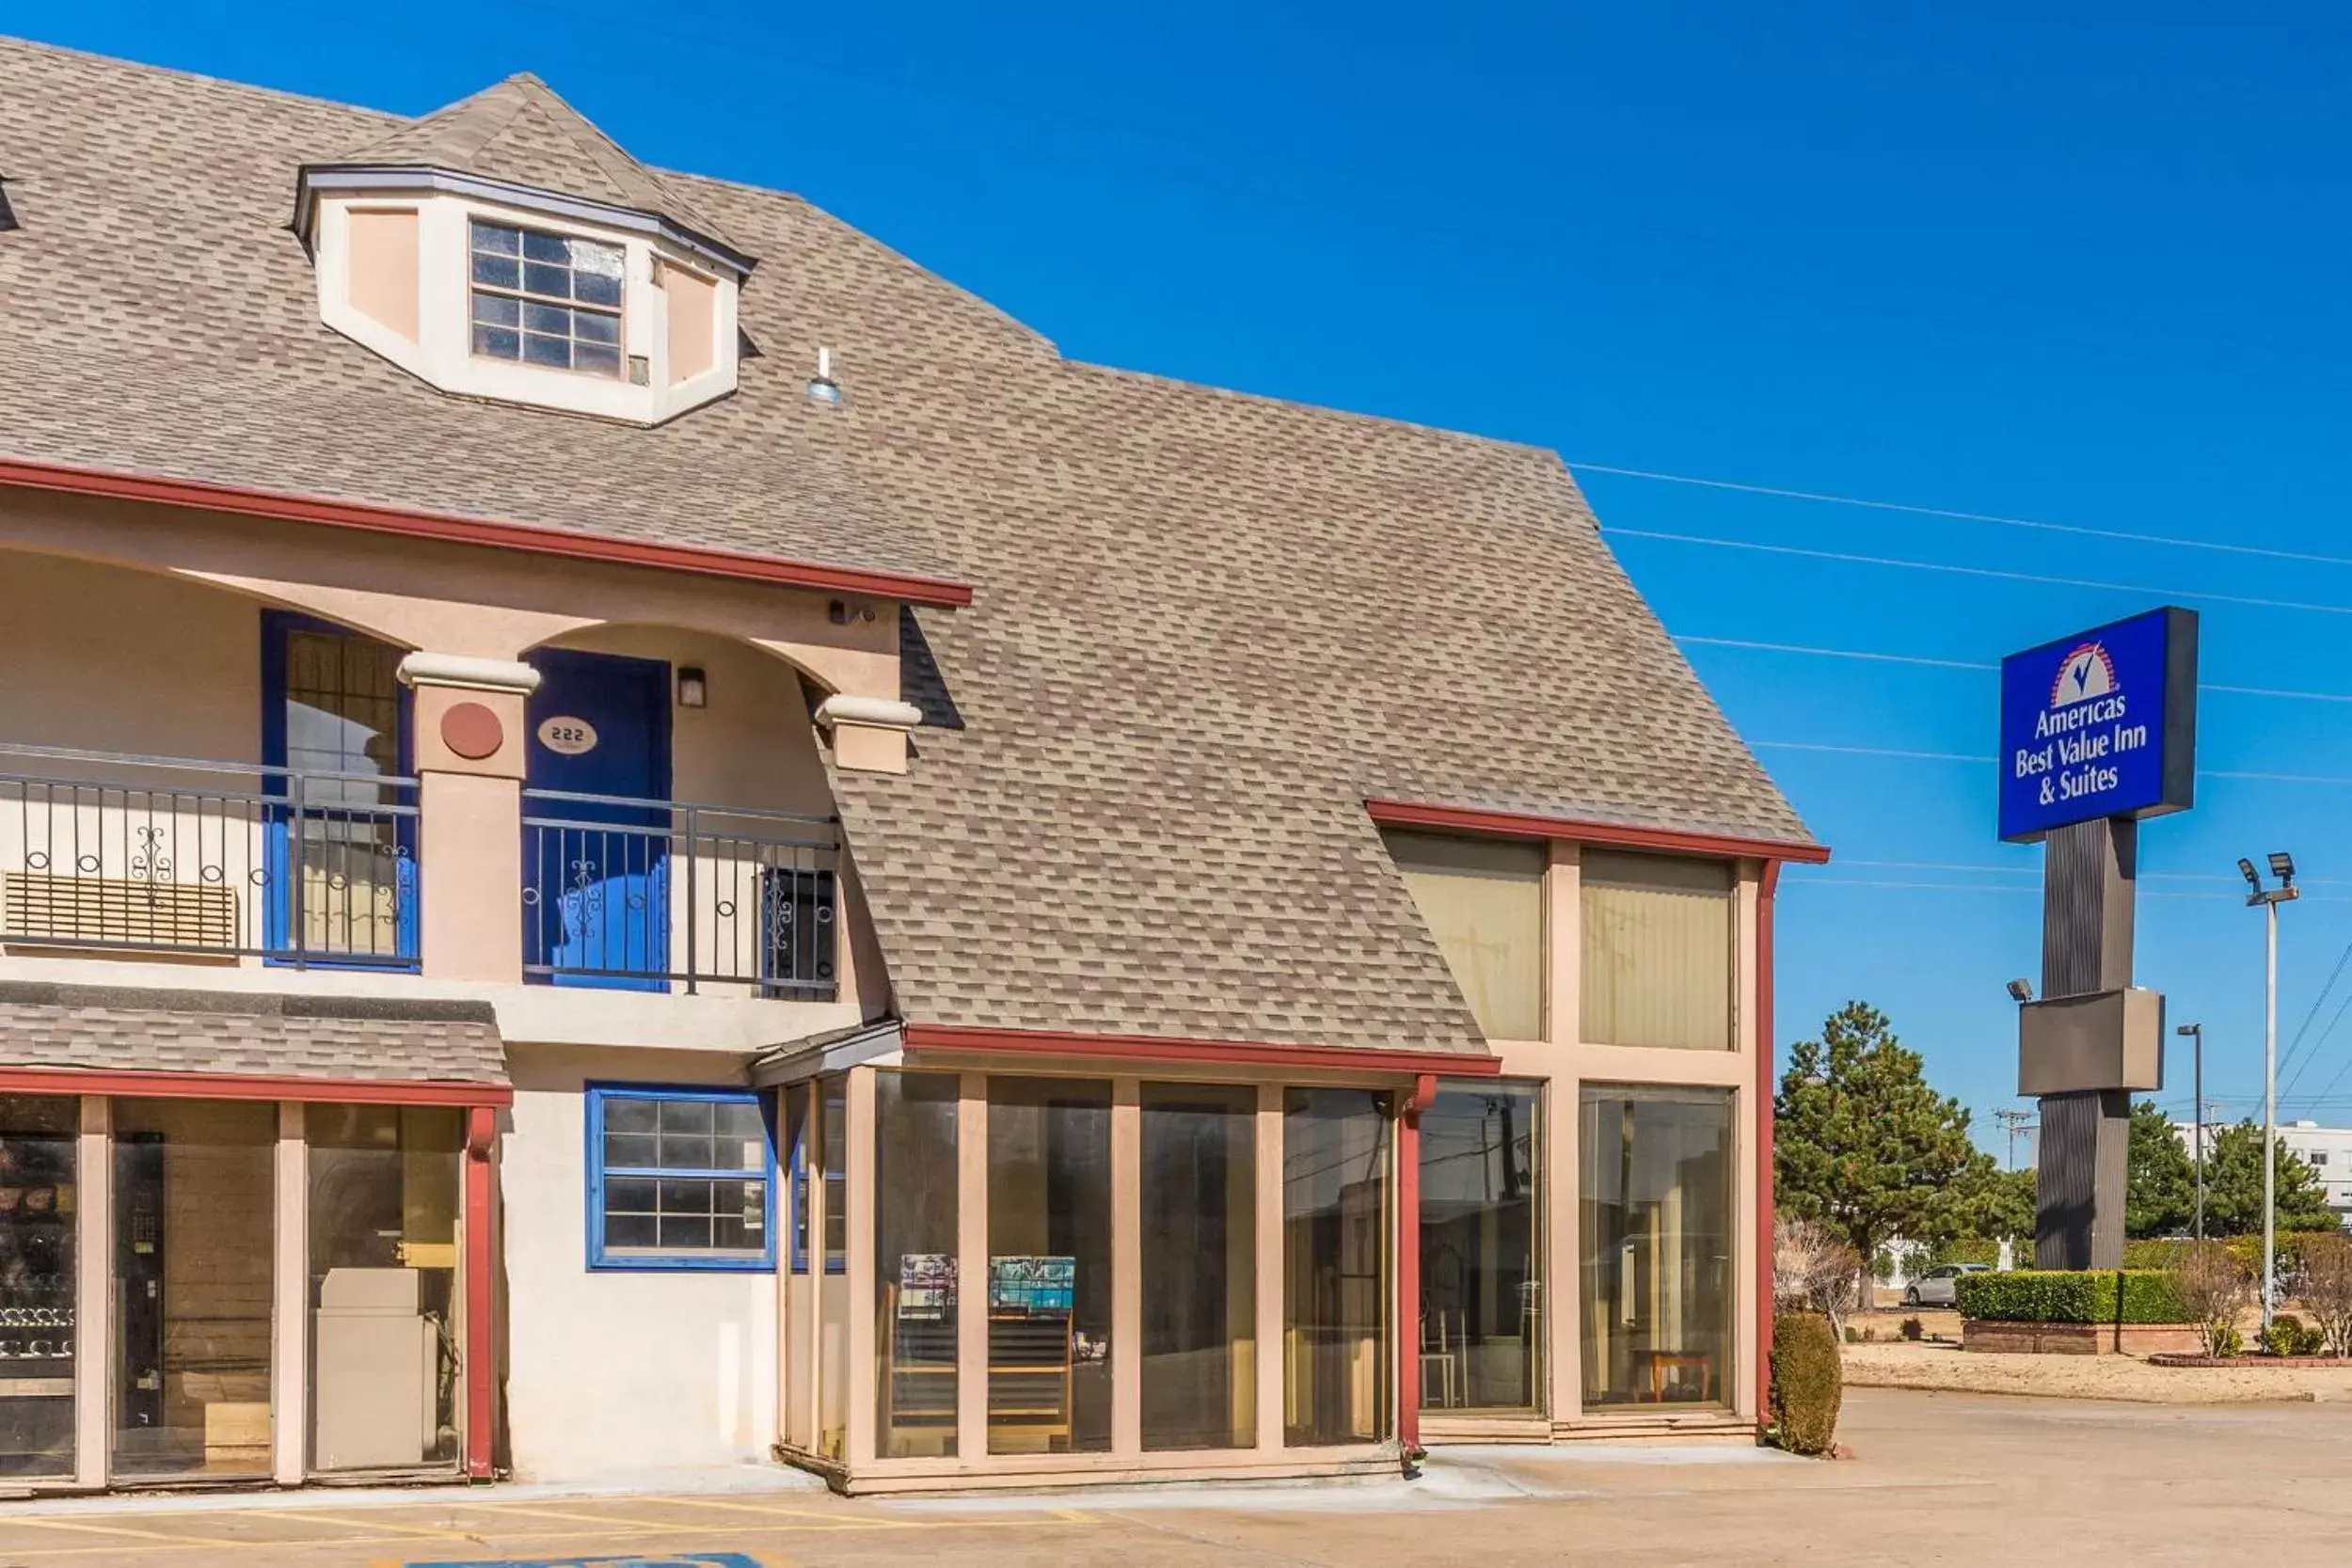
(544, 299)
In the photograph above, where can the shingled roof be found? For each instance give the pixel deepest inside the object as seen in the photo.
(520, 130)
(1209, 626)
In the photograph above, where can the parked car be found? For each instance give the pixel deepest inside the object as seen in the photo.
(1940, 1286)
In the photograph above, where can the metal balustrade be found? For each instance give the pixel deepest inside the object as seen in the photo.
(631, 894)
(110, 851)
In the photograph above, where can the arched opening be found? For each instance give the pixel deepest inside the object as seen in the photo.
(193, 769)
(679, 827)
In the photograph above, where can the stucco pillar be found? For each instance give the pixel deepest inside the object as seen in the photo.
(93, 1299)
(864, 1289)
(290, 1340)
(971, 1268)
(1273, 1351)
(470, 746)
(870, 734)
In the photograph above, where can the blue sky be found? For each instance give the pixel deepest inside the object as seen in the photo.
(2085, 268)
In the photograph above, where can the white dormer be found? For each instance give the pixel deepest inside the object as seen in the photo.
(597, 299)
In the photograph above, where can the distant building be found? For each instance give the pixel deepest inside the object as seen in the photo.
(2326, 1150)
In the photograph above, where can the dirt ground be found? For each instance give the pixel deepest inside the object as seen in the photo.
(1937, 1479)
(2091, 1377)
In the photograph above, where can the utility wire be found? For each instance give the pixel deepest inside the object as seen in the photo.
(2323, 1040)
(1753, 646)
(1907, 509)
(1852, 559)
(2317, 1002)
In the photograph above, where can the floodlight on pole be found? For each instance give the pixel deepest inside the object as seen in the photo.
(2268, 899)
(2020, 992)
(2195, 1032)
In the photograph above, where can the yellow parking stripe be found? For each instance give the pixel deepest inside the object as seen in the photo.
(289, 1517)
(33, 1522)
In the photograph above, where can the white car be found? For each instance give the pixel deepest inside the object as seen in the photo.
(1940, 1286)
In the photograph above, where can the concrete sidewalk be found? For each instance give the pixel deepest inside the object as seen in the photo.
(1940, 1477)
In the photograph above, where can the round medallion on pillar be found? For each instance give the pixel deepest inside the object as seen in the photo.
(471, 731)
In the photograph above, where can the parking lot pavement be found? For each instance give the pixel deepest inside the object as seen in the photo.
(1938, 1478)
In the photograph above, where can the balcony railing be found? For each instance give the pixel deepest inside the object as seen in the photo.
(104, 850)
(643, 895)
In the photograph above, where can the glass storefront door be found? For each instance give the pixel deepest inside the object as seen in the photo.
(384, 1199)
(1049, 1266)
(1482, 1333)
(195, 1224)
(1199, 1226)
(1655, 1210)
(915, 1223)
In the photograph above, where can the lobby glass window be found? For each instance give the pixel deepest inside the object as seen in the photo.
(1655, 1198)
(1049, 1266)
(384, 1202)
(1337, 1291)
(830, 1159)
(915, 1243)
(1199, 1228)
(680, 1178)
(1657, 951)
(194, 1248)
(1482, 1333)
(1483, 901)
(39, 1199)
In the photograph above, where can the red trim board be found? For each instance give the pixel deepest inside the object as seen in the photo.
(479, 1355)
(1464, 820)
(968, 1039)
(279, 506)
(222, 1086)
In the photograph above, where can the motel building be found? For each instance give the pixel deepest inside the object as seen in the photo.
(636, 835)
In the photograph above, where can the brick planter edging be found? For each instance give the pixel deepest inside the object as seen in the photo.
(2284, 1363)
(2021, 1338)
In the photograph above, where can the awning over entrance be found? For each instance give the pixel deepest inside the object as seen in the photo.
(98, 1039)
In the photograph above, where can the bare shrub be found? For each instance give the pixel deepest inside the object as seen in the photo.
(2327, 1289)
(1813, 1271)
(2213, 1288)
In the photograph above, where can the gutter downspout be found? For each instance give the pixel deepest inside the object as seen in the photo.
(1408, 1269)
(1768, 884)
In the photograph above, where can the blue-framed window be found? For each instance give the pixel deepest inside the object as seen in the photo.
(680, 1178)
(818, 1154)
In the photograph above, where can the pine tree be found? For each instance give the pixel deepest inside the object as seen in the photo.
(2233, 1186)
(1862, 1143)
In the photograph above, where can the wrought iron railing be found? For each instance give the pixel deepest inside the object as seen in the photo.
(105, 850)
(648, 895)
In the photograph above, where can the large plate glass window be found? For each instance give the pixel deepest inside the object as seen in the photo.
(680, 1178)
(546, 299)
(915, 1191)
(1657, 951)
(1653, 1194)
(1336, 1257)
(38, 1200)
(1481, 1180)
(1049, 1266)
(384, 1197)
(1200, 1198)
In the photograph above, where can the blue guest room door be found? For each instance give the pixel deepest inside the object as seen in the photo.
(596, 873)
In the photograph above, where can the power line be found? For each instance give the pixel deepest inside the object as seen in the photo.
(2317, 1002)
(1755, 646)
(1997, 573)
(1907, 509)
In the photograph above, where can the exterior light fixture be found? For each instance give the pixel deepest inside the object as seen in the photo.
(2253, 878)
(693, 687)
(2268, 900)
(2283, 866)
(2021, 990)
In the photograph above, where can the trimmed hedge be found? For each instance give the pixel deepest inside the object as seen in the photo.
(1809, 1383)
(2069, 1297)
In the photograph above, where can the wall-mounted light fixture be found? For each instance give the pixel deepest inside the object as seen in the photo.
(2020, 992)
(693, 687)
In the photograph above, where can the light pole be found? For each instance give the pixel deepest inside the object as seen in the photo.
(2282, 867)
(2195, 1032)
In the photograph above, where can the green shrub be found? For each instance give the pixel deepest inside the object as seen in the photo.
(2288, 1336)
(1971, 1249)
(2154, 1253)
(1913, 1329)
(2069, 1297)
(1809, 1383)
(2226, 1341)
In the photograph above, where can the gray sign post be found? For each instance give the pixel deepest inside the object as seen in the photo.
(2098, 730)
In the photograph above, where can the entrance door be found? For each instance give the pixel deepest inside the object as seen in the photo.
(595, 846)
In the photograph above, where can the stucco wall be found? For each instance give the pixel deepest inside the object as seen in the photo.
(117, 660)
(617, 1372)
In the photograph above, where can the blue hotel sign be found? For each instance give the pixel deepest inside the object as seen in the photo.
(2102, 723)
